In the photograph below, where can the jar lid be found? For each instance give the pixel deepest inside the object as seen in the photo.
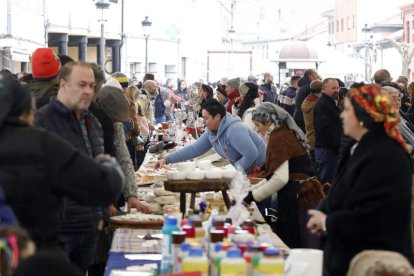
(271, 252)
(234, 253)
(196, 223)
(216, 235)
(195, 252)
(171, 220)
(178, 237)
(248, 223)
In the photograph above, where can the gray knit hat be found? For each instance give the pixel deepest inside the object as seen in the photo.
(234, 83)
(114, 101)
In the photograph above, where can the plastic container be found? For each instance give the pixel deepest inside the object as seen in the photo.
(249, 226)
(216, 236)
(178, 238)
(200, 234)
(170, 225)
(250, 255)
(233, 264)
(272, 263)
(217, 256)
(185, 248)
(196, 262)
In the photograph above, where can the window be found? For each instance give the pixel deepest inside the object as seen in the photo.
(337, 25)
(342, 25)
(135, 67)
(408, 31)
(152, 67)
(348, 23)
(170, 71)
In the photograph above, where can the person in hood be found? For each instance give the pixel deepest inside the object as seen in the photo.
(303, 91)
(229, 137)
(307, 108)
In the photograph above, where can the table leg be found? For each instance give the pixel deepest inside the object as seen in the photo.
(226, 199)
(192, 200)
(182, 203)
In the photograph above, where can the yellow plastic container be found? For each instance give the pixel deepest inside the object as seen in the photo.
(234, 264)
(196, 262)
(272, 263)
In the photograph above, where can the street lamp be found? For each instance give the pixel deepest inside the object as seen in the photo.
(146, 26)
(366, 32)
(231, 35)
(102, 5)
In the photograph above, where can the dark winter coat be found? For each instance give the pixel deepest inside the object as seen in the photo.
(43, 91)
(37, 169)
(270, 93)
(369, 204)
(327, 124)
(301, 94)
(56, 118)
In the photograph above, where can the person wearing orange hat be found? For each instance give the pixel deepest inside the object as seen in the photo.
(45, 68)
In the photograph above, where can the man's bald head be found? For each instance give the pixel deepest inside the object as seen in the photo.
(150, 86)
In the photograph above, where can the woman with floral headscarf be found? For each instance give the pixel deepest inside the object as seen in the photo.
(287, 172)
(368, 206)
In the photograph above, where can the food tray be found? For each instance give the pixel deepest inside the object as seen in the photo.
(122, 222)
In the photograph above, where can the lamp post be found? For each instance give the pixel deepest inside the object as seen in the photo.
(146, 25)
(231, 34)
(102, 5)
(366, 32)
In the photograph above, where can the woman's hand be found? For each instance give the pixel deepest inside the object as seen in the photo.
(316, 223)
(160, 163)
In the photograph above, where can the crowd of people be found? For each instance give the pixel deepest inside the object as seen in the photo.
(336, 161)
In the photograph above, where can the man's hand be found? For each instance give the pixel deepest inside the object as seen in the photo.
(133, 202)
(112, 210)
(316, 223)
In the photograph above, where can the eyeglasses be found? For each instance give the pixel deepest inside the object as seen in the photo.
(397, 98)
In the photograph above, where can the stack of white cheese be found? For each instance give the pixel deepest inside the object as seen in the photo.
(200, 170)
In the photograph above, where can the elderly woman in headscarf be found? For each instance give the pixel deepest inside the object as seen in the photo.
(369, 204)
(287, 172)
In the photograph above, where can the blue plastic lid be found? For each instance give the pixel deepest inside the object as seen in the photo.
(271, 252)
(217, 247)
(171, 220)
(195, 252)
(185, 246)
(234, 253)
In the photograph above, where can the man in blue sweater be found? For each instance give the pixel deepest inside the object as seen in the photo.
(229, 137)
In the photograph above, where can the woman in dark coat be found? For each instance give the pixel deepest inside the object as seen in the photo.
(37, 169)
(369, 204)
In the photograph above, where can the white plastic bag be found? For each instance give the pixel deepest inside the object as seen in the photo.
(239, 188)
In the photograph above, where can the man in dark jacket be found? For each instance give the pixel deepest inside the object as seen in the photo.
(301, 94)
(37, 169)
(328, 130)
(286, 98)
(269, 89)
(68, 117)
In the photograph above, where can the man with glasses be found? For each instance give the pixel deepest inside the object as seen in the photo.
(406, 127)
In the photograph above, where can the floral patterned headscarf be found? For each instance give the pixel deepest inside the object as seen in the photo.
(375, 102)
